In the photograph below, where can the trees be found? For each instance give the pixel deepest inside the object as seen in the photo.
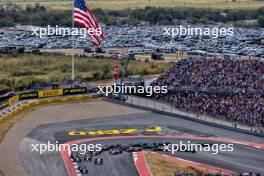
(261, 21)
(7, 21)
(39, 16)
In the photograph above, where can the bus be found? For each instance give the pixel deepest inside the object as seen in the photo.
(230, 56)
(197, 54)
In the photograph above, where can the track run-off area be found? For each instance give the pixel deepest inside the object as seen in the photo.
(55, 123)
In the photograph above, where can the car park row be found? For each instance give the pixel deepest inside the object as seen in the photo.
(248, 42)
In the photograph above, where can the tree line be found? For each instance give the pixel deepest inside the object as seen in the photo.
(38, 15)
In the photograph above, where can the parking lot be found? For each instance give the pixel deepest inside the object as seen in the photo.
(143, 40)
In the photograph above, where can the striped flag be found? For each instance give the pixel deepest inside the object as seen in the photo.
(84, 17)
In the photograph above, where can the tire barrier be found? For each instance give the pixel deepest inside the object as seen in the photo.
(19, 106)
(4, 104)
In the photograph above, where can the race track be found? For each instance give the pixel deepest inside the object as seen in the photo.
(244, 158)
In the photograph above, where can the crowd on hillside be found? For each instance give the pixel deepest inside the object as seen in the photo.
(216, 74)
(214, 174)
(224, 77)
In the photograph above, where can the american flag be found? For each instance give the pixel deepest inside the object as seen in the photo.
(84, 17)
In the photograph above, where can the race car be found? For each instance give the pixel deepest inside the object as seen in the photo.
(133, 149)
(88, 157)
(115, 152)
(96, 153)
(98, 161)
(105, 148)
(83, 170)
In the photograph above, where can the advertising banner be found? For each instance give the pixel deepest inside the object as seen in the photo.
(28, 95)
(50, 93)
(13, 100)
(74, 91)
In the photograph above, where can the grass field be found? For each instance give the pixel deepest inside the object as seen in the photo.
(26, 69)
(123, 4)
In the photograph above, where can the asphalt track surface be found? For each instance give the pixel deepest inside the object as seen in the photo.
(243, 158)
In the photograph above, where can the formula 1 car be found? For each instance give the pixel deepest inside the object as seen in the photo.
(115, 152)
(98, 161)
(133, 149)
(88, 157)
(83, 170)
(95, 153)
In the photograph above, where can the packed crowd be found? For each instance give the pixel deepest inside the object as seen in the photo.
(219, 74)
(197, 174)
(245, 106)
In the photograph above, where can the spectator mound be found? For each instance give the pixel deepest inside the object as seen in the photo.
(222, 88)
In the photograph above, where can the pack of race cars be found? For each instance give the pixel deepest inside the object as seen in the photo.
(115, 149)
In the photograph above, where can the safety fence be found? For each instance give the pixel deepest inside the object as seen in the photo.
(169, 109)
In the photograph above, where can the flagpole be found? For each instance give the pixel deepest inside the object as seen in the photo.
(73, 45)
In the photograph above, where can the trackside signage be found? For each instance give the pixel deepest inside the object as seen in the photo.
(74, 91)
(29, 95)
(13, 100)
(43, 94)
(50, 93)
(114, 132)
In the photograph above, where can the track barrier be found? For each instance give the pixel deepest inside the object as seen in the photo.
(161, 108)
(24, 104)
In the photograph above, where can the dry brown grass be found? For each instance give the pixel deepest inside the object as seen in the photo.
(161, 166)
(26, 69)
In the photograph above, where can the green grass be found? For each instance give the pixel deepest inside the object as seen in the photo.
(27, 69)
(123, 4)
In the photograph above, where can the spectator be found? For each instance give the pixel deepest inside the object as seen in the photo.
(225, 78)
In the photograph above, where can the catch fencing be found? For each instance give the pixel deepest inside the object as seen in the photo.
(169, 109)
